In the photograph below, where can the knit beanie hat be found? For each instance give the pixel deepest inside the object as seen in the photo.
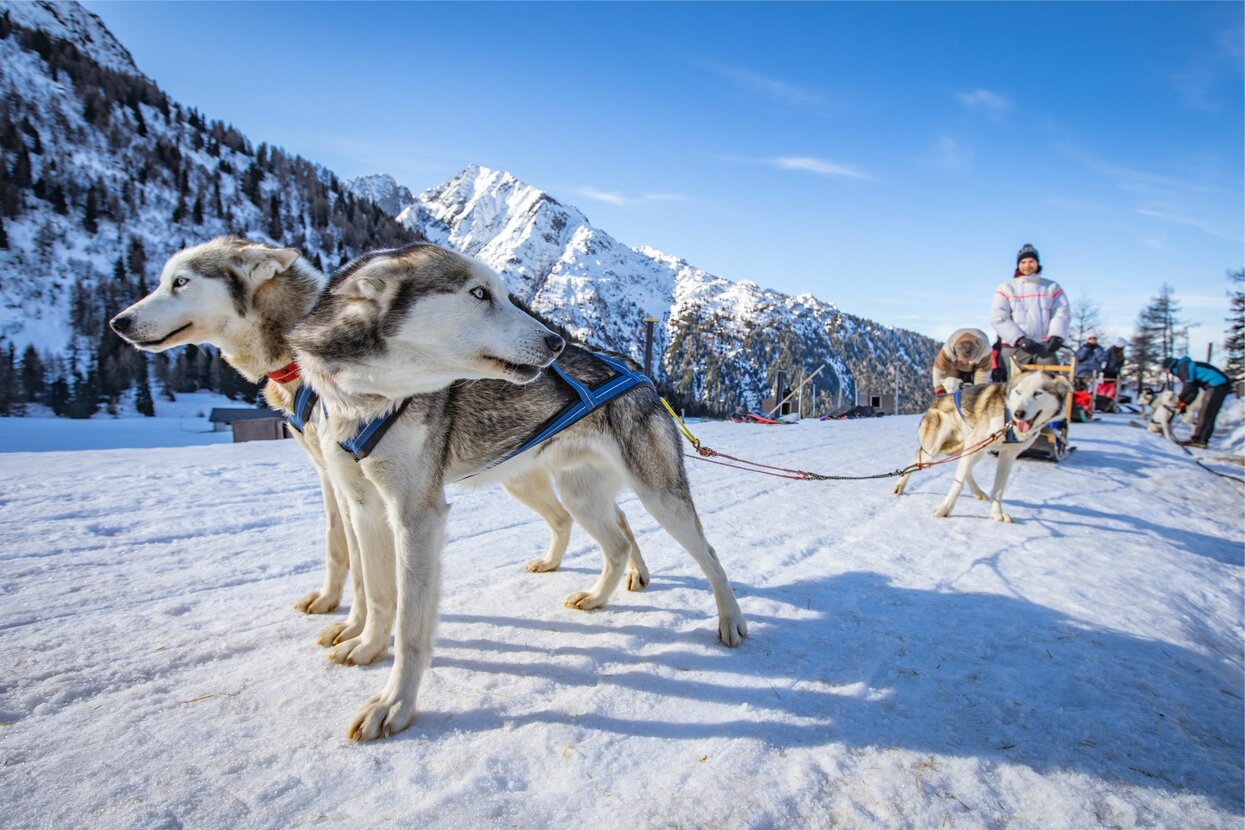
(1028, 252)
(1120, 343)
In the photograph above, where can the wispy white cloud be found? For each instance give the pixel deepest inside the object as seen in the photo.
(1188, 221)
(613, 197)
(948, 153)
(994, 104)
(773, 90)
(821, 167)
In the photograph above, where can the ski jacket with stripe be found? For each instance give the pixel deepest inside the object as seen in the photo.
(1030, 306)
(1195, 375)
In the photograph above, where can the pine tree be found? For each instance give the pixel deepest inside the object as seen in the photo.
(1234, 345)
(118, 271)
(33, 382)
(89, 222)
(196, 215)
(274, 220)
(10, 387)
(136, 258)
(4, 237)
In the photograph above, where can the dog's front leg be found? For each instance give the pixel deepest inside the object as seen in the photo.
(419, 534)
(375, 545)
(1006, 460)
(336, 555)
(357, 616)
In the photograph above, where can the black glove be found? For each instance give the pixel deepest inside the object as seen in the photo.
(1028, 344)
(1053, 344)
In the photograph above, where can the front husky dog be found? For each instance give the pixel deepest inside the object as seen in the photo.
(404, 329)
(1033, 398)
(244, 298)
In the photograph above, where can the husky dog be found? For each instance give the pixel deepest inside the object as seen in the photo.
(1163, 407)
(433, 336)
(245, 297)
(1033, 398)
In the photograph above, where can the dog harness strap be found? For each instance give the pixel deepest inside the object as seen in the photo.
(286, 373)
(366, 439)
(590, 400)
(304, 404)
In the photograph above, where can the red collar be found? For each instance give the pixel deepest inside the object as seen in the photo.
(286, 373)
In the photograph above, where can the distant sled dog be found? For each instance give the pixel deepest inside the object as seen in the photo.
(1163, 407)
(245, 298)
(1027, 402)
(434, 336)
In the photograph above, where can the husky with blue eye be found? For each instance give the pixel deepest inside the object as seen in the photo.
(245, 297)
(429, 343)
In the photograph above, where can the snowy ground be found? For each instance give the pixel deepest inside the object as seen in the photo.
(1080, 668)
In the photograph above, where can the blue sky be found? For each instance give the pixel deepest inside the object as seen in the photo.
(888, 157)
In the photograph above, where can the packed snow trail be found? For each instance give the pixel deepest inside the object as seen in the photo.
(1080, 668)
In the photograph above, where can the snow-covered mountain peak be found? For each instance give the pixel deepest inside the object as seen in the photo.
(381, 189)
(72, 22)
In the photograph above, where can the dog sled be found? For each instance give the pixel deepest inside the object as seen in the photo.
(1053, 444)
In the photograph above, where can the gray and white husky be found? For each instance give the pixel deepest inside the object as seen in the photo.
(1033, 398)
(435, 336)
(244, 298)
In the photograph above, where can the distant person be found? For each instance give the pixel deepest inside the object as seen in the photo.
(1030, 313)
(964, 358)
(1090, 358)
(1113, 361)
(1194, 377)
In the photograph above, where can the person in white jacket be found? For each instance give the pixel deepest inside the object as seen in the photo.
(1030, 313)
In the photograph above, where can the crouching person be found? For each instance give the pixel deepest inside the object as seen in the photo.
(964, 358)
(1194, 377)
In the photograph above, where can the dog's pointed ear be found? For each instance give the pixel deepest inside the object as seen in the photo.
(362, 286)
(260, 263)
(1015, 369)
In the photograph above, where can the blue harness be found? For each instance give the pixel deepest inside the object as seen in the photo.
(1007, 419)
(366, 439)
(304, 404)
(589, 399)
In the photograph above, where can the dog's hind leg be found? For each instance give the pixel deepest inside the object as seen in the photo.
(336, 556)
(637, 571)
(963, 473)
(589, 491)
(902, 484)
(977, 492)
(536, 492)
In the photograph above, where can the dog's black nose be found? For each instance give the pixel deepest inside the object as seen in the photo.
(1018, 415)
(555, 344)
(121, 323)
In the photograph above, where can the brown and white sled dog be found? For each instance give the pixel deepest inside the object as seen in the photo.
(244, 298)
(1033, 399)
(435, 337)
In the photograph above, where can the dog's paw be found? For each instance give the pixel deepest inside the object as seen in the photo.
(1000, 516)
(584, 601)
(357, 652)
(541, 566)
(316, 603)
(943, 511)
(898, 489)
(337, 633)
(381, 717)
(732, 631)
(981, 497)
(637, 580)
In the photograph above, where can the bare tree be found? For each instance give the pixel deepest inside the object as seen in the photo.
(1086, 319)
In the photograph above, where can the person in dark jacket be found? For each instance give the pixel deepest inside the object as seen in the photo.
(1195, 376)
(1089, 358)
(1114, 363)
